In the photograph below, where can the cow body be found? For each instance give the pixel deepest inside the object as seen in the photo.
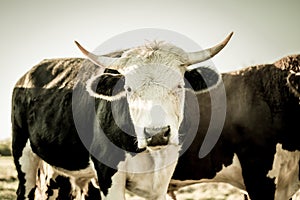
(260, 130)
(114, 120)
(44, 132)
(50, 140)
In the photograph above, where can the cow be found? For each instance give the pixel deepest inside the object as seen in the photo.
(115, 120)
(259, 149)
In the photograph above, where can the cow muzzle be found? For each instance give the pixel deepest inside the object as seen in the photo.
(157, 136)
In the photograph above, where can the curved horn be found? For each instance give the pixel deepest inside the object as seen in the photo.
(200, 56)
(102, 61)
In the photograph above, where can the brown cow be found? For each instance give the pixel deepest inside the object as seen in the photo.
(261, 130)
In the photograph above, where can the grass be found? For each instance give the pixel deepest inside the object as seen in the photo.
(5, 147)
(203, 191)
(9, 182)
(8, 186)
(8, 179)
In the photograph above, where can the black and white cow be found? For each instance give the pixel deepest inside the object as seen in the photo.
(71, 114)
(259, 147)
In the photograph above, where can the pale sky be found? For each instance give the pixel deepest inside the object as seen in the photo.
(32, 30)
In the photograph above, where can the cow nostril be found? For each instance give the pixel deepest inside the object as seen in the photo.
(157, 136)
(167, 133)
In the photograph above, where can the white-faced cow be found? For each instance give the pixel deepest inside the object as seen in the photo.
(70, 113)
(259, 147)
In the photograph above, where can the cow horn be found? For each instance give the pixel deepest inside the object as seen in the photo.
(200, 56)
(102, 61)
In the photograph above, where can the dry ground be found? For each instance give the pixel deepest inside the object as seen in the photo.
(204, 191)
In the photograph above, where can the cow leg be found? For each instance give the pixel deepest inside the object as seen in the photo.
(93, 192)
(19, 140)
(67, 188)
(255, 169)
(60, 188)
(26, 162)
(27, 167)
(117, 189)
(172, 195)
(111, 181)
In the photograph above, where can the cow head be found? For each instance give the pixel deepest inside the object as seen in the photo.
(154, 86)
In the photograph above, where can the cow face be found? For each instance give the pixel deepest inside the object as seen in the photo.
(155, 95)
(154, 87)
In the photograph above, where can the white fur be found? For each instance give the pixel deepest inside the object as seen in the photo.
(156, 99)
(285, 170)
(89, 89)
(46, 173)
(117, 189)
(232, 174)
(146, 174)
(29, 162)
(153, 53)
(79, 179)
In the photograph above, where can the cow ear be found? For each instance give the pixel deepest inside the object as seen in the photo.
(293, 82)
(107, 86)
(202, 79)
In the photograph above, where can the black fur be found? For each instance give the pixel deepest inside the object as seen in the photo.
(46, 115)
(260, 113)
(201, 78)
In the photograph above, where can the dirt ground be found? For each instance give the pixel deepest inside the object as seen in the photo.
(203, 191)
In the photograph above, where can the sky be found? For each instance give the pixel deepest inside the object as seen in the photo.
(32, 30)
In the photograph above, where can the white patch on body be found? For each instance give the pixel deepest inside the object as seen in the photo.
(285, 170)
(29, 162)
(79, 179)
(117, 189)
(232, 174)
(43, 181)
(146, 174)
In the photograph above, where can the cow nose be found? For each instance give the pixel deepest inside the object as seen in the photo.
(157, 136)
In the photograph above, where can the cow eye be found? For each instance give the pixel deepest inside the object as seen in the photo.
(179, 86)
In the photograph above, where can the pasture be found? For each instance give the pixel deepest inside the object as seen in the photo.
(203, 191)
(8, 186)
